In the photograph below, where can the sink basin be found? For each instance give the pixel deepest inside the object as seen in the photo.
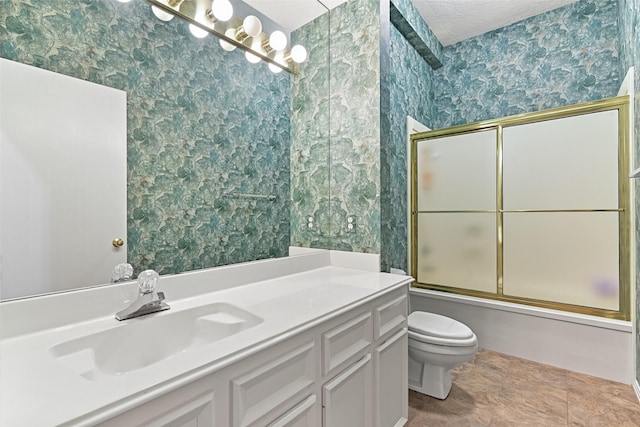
(143, 341)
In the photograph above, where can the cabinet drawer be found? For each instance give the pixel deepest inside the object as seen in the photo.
(346, 343)
(259, 395)
(191, 405)
(303, 415)
(390, 316)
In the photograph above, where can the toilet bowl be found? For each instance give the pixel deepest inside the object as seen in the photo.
(437, 344)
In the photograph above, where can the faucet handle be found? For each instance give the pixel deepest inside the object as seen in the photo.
(147, 281)
(121, 272)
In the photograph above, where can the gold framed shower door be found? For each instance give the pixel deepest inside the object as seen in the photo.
(621, 104)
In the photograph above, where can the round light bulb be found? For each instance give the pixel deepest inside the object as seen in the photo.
(298, 54)
(231, 33)
(252, 58)
(161, 14)
(278, 40)
(252, 26)
(222, 9)
(197, 31)
(274, 68)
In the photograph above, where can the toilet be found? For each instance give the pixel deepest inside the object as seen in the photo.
(437, 344)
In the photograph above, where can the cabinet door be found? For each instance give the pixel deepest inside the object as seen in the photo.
(390, 364)
(347, 399)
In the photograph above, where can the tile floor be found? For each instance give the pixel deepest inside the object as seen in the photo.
(499, 390)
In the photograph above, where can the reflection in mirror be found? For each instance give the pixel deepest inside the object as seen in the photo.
(64, 180)
(206, 130)
(217, 18)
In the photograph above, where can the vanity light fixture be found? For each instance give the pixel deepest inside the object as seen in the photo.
(221, 10)
(275, 69)
(230, 33)
(161, 14)
(251, 27)
(216, 17)
(279, 58)
(298, 54)
(198, 32)
(278, 40)
(252, 58)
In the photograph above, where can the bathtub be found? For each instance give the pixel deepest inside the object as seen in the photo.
(588, 344)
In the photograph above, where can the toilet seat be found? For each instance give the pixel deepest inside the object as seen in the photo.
(432, 328)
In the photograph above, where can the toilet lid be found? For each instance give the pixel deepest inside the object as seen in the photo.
(434, 325)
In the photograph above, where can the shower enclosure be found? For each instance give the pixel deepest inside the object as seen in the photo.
(532, 209)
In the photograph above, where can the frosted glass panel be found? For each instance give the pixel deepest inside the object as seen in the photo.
(458, 250)
(457, 172)
(563, 257)
(569, 163)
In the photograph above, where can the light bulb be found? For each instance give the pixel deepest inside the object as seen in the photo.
(274, 68)
(161, 14)
(298, 54)
(231, 33)
(278, 40)
(222, 9)
(252, 58)
(252, 26)
(198, 32)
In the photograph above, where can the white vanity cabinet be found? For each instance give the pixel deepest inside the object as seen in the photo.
(348, 370)
(372, 389)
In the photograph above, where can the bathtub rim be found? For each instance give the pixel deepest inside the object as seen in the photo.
(547, 313)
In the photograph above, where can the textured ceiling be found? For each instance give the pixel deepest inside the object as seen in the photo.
(455, 20)
(292, 14)
(450, 20)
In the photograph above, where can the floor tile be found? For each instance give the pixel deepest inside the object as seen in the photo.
(499, 390)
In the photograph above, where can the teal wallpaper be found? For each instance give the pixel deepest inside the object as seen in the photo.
(310, 139)
(355, 126)
(407, 88)
(201, 122)
(562, 57)
(410, 75)
(629, 12)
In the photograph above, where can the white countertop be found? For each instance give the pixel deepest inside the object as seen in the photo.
(37, 390)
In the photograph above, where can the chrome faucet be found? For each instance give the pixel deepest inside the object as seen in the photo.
(149, 301)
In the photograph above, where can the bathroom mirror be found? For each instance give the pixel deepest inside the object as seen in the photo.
(225, 159)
